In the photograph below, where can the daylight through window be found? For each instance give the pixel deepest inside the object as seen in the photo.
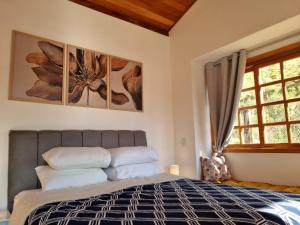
(269, 110)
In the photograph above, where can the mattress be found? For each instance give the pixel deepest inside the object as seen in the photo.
(158, 200)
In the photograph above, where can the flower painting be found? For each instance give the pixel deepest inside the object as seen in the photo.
(126, 84)
(37, 69)
(87, 77)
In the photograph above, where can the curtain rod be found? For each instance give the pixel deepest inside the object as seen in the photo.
(219, 60)
(263, 45)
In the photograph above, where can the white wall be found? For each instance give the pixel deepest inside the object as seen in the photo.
(209, 25)
(67, 22)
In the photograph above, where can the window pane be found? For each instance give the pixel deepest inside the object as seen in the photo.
(273, 113)
(294, 111)
(292, 89)
(248, 80)
(250, 135)
(275, 134)
(248, 116)
(247, 98)
(295, 133)
(291, 68)
(269, 73)
(271, 93)
(235, 137)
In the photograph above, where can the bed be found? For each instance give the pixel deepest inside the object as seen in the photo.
(162, 199)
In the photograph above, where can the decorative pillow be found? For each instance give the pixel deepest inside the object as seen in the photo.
(215, 168)
(51, 179)
(66, 158)
(132, 155)
(131, 171)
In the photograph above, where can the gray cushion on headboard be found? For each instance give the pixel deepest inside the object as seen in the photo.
(26, 149)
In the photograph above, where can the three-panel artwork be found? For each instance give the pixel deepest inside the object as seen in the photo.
(52, 72)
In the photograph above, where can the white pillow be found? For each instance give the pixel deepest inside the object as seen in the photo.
(132, 155)
(66, 158)
(131, 171)
(51, 179)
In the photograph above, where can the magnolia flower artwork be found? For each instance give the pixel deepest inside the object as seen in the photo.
(126, 82)
(87, 77)
(37, 69)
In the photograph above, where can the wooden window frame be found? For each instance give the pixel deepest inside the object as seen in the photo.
(253, 64)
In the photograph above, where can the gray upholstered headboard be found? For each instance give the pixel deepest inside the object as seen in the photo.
(26, 149)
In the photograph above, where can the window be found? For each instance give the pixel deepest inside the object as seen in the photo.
(269, 111)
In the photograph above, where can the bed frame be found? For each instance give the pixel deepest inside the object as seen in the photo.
(26, 149)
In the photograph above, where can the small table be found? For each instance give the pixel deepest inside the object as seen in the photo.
(4, 217)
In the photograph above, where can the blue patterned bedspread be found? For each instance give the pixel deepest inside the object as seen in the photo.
(179, 202)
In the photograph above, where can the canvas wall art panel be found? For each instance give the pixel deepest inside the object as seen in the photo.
(37, 67)
(126, 84)
(87, 77)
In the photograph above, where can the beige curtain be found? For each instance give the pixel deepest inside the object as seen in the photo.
(224, 80)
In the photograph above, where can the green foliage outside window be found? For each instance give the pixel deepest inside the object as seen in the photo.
(293, 89)
(294, 111)
(275, 134)
(250, 135)
(248, 80)
(295, 133)
(235, 137)
(269, 73)
(273, 113)
(247, 98)
(271, 93)
(273, 110)
(291, 68)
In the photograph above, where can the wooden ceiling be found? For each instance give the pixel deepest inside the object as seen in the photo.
(156, 15)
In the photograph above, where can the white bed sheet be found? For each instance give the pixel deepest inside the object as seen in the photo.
(26, 201)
